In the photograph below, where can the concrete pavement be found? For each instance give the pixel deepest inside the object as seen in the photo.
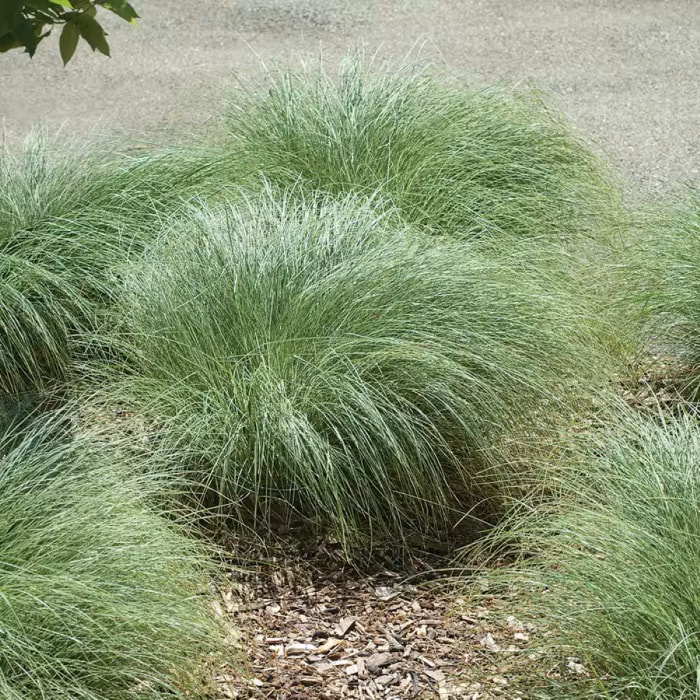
(627, 72)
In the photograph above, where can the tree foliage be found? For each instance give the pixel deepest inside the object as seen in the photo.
(25, 23)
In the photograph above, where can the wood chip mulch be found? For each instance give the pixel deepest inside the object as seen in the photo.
(317, 629)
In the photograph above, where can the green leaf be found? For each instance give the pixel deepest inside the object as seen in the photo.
(63, 3)
(85, 6)
(9, 41)
(122, 9)
(9, 11)
(28, 34)
(46, 6)
(91, 30)
(68, 41)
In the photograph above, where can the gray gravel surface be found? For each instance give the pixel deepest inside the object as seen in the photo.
(626, 72)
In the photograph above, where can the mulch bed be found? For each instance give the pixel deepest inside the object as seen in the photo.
(312, 627)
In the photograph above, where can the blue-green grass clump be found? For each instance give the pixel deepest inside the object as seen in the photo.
(666, 269)
(616, 551)
(70, 217)
(101, 597)
(453, 158)
(311, 356)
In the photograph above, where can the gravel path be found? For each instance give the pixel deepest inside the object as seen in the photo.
(625, 71)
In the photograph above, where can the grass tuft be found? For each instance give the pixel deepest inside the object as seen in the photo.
(459, 159)
(666, 268)
(70, 217)
(616, 550)
(100, 597)
(312, 356)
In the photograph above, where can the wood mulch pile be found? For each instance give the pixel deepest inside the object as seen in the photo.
(312, 627)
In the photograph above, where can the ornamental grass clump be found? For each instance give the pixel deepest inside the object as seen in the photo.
(309, 357)
(666, 269)
(453, 158)
(617, 554)
(70, 216)
(101, 597)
